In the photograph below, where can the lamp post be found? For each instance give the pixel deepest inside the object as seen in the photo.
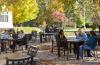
(84, 4)
(84, 16)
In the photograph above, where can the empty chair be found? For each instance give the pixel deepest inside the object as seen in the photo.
(21, 61)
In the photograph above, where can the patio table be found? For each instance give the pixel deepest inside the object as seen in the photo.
(5, 44)
(46, 35)
(18, 57)
(76, 43)
(70, 40)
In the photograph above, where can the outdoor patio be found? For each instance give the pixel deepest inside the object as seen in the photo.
(49, 32)
(46, 57)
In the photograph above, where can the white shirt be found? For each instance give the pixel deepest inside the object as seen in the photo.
(5, 36)
(21, 35)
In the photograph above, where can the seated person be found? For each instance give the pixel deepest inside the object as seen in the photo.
(5, 35)
(47, 30)
(34, 35)
(21, 37)
(61, 41)
(15, 37)
(81, 36)
(90, 44)
(21, 34)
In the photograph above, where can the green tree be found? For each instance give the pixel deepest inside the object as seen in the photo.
(0, 7)
(23, 10)
(42, 8)
(79, 10)
(85, 9)
(96, 16)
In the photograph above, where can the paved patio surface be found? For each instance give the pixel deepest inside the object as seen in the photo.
(45, 57)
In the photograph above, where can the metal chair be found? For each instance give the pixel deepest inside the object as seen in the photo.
(56, 46)
(22, 61)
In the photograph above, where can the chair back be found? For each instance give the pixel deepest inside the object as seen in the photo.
(61, 42)
(32, 51)
(21, 61)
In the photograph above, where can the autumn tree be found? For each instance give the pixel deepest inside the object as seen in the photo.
(23, 10)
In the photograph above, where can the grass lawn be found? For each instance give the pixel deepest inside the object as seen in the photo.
(76, 29)
(27, 30)
(70, 31)
(67, 31)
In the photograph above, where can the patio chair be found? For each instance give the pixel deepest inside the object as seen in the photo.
(32, 51)
(58, 47)
(96, 54)
(34, 36)
(22, 42)
(43, 38)
(93, 52)
(21, 61)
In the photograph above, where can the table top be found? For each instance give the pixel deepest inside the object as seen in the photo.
(17, 55)
(8, 39)
(48, 33)
(73, 40)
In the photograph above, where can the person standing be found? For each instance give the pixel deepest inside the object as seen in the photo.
(61, 41)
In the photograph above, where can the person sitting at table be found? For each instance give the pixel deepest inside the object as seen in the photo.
(81, 36)
(4, 36)
(34, 35)
(90, 44)
(61, 41)
(47, 30)
(21, 37)
(15, 37)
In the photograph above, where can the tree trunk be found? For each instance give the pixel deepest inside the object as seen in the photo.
(99, 28)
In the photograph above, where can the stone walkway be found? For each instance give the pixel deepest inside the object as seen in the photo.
(45, 57)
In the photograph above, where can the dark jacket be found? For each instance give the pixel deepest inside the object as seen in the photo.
(62, 42)
(92, 41)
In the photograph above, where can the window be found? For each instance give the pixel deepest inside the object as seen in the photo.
(3, 18)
